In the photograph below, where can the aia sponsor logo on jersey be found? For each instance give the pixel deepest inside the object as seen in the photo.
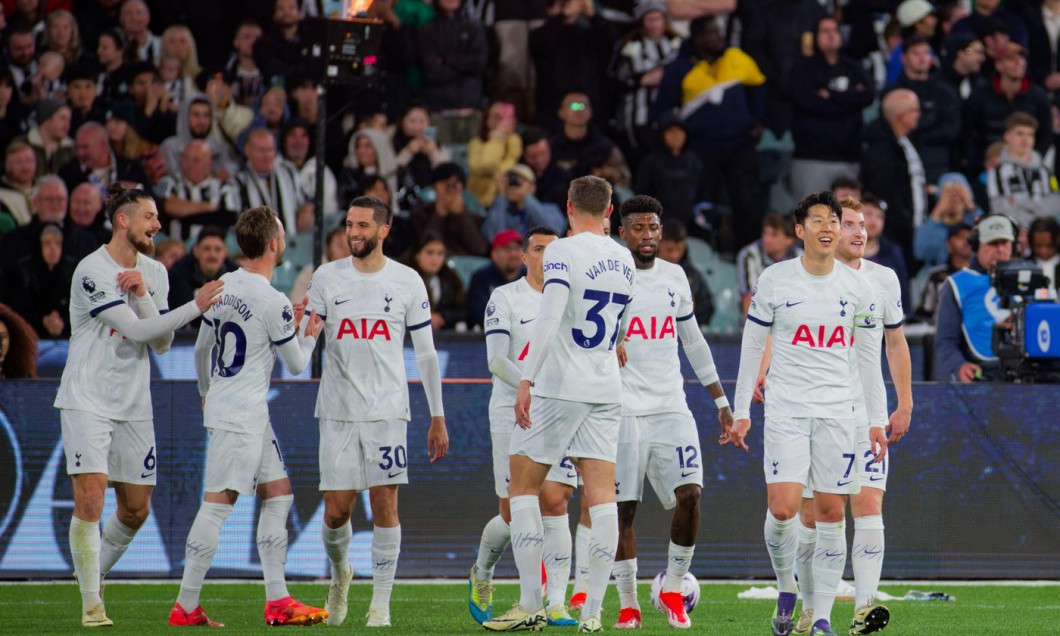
(655, 329)
(363, 329)
(820, 338)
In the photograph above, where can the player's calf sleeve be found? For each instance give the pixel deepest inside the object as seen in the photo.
(581, 558)
(829, 559)
(625, 573)
(495, 539)
(678, 560)
(782, 544)
(528, 538)
(602, 548)
(84, 549)
(804, 563)
(272, 544)
(386, 546)
(199, 551)
(115, 541)
(866, 558)
(556, 555)
(337, 546)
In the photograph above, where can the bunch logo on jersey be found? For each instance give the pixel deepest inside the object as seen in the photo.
(349, 327)
(804, 335)
(655, 330)
(673, 302)
(842, 307)
(388, 300)
(89, 286)
(555, 267)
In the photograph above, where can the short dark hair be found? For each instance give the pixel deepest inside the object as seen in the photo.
(533, 135)
(381, 212)
(215, 231)
(640, 204)
(845, 182)
(446, 171)
(542, 230)
(590, 194)
(1020, 118)
(674, 230)
(1044, 224)
(825, 198)
(118, 197)
(779, 222)
(254, 229)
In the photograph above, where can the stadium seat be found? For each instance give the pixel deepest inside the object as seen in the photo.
(700, 252)
(284, 275)
(299, 249)
(465, 266)
(721, 278)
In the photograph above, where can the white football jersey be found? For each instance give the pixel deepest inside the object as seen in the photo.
(581, 366)
(813, 319)
(105, 373)
(651, 380)
(250, 321)
(512, 310)
(887, 308)
(365, 318)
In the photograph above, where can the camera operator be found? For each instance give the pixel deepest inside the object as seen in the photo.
(968, 307)
(518, 209)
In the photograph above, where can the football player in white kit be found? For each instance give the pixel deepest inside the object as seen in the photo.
(509, 323)
(368, 302)
(576, 410)
(117, 304)
(866, 507)
(234, 357)
(812, 306)
(658, 438)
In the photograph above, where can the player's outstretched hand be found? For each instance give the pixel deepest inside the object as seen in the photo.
(132, 281)
(759, 395)
(312, 329)
(898, 425)
(437, 438)
(299, 312)
(209, 295)
(878, 443)
(736, 434)
(522, 405)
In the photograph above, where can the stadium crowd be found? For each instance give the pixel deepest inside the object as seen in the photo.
(482, 111)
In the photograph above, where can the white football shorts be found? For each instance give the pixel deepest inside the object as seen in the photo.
(241, 461)
(564, 428)
(870, 474)
(361, 455)
(665, 449)
(124, 451)
(816, 452)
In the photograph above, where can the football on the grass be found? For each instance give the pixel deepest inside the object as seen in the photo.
(689, 591)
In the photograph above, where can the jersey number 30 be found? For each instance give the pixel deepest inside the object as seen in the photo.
(601, 300)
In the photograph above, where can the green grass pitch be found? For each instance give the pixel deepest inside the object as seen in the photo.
(142, 609)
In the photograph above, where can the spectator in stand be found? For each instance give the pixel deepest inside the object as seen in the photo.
(32, 12)
(581, 144)
(272, 182)
(828, 93)
(954, 206)
(418, 152)
(156, 112)
(1041, 18)
(62, 35)
(444, 288)
(637, 65)
(127, 144)
(776, 244)
(986, 110)
(207, 262)
(230, 117)
(552, 180)
(193, 197)
(916, 17)
(448, 216)
(97, 164)
(21, 55)
(278, 53)
(719, 92)
(846, 187)
(179, 43)
(518, 209)
(991, 9)
(453, 55)
(370, 154)
(18, 346)
(81, 94)
(781, 33)
(272, 114)
(492, 152)
(49, 207)
(169, 251)
(958, 256)
(50, 138)
(962, 66)
(1020, 185)
(39, 289)
(16, 186)
(939, 127)
(892, 168)
(294, 145)
(135, 21)
(878, 248)
(242, 67)
(506, 254)
(673, 174)
(1044, 236)
(93, 18)
(512, 24)
(196, 121)
(86, 207)
(114, 77)
(673, 248)
(14, 115)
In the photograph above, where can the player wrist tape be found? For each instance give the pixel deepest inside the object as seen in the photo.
(721, 402)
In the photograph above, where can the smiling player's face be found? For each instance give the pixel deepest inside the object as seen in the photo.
(819, 231)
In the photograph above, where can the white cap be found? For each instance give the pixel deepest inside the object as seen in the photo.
(912, 11)
(995, 227)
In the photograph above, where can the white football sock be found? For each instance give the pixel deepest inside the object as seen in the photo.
(581, 559)
(84, 550)
(804, 563)
(528, 540)
(678, 560)
(386, 546)
(337, 546)
(781, 543)
(625, 573)
(272, 544)
(199, 551)
(556, 555)
(602, 548)
(829, 559)
(115, 541)
(867, 558)
(495, 539)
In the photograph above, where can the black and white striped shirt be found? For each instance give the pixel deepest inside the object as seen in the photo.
(281, 190)
(632, 60)
(220, 194)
